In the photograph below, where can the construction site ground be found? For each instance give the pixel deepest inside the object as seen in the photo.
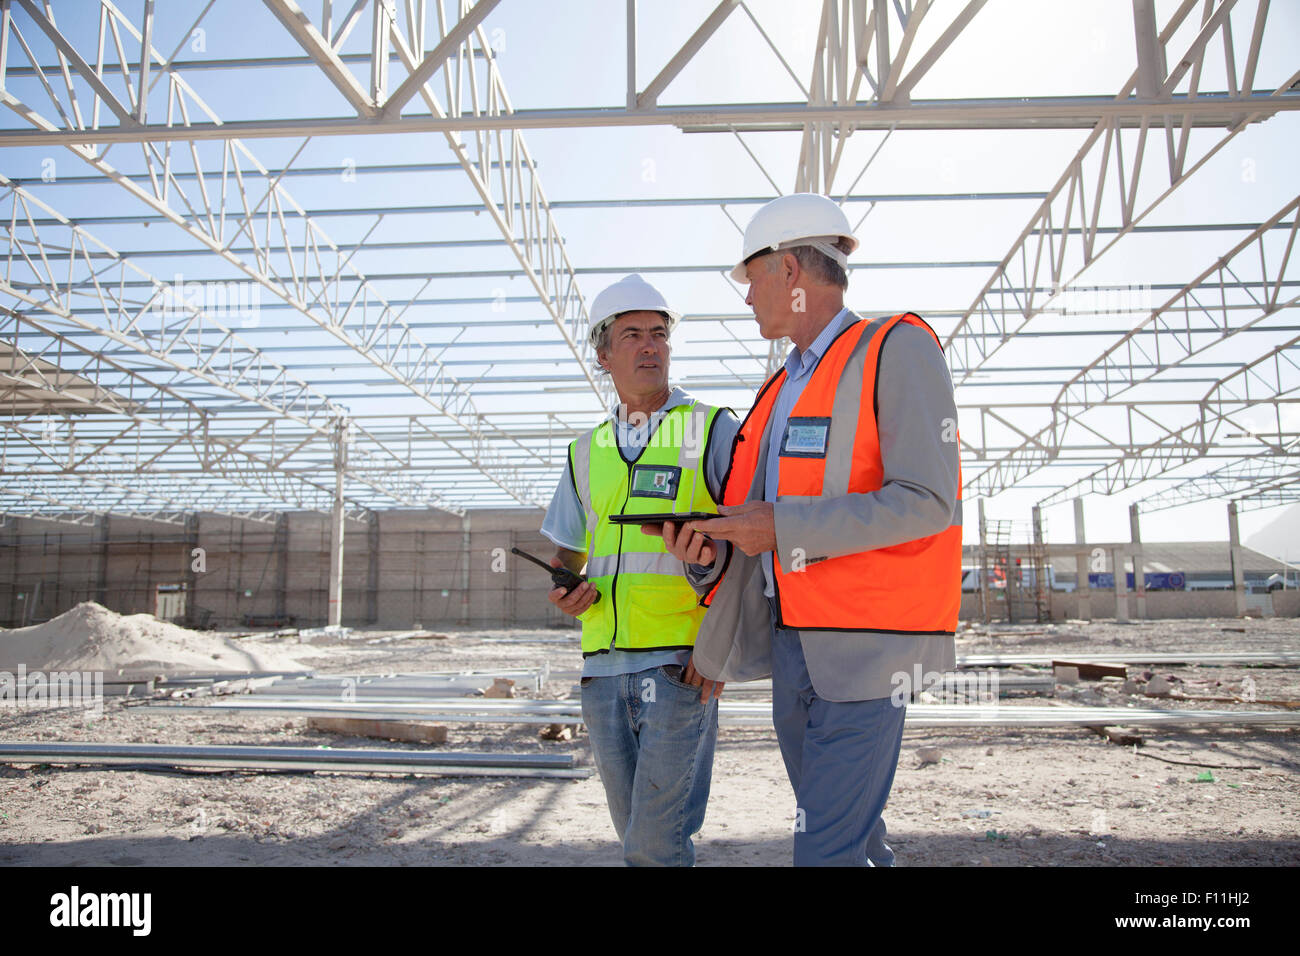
(996, 797)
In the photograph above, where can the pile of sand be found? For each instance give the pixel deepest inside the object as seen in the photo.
(92, 638)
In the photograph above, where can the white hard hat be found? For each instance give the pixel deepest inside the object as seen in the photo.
(799, 219)
(629, 294)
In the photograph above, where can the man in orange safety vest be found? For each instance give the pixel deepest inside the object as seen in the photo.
(841, 535)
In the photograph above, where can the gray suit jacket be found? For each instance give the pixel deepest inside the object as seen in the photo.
(918, 497)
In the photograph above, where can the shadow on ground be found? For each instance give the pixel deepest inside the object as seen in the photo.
(912, 850)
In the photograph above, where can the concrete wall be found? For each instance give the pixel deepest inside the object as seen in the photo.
(47, 567)
(1286, 603)
(429, 568)
(1160, 604)
(437, 567)
(1187, 604)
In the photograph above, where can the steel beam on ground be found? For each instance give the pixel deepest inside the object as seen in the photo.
(306, 759)
(947, 715)
(402, 686)
(759, 713)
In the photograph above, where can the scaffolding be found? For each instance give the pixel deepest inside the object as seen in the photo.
(1015, 574)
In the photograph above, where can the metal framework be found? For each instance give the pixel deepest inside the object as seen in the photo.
(179, 331)
(1263, 481)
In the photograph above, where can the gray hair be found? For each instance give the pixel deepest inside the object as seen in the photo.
(602, 345)
(821, 266)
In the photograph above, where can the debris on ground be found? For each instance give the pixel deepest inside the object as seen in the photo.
(1065, 674)
(405, 730)
(1019, 772)
(502, 687)
(1120, 736)
(1158, 686)
(929, 755)
(1092, 670)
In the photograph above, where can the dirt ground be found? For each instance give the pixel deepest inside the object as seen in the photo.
(997, 797)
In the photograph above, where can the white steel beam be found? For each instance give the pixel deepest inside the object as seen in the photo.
(364, 320)
(1225, 409)
(1242, 480)
(847, 35)
(187, 342)
(319, 49)
(1164, 342)
(1022, 113)
(649, 97)
(84, 70)
(435, 59)
(1048, 254)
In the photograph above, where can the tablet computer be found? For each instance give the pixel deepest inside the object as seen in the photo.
(675, 518)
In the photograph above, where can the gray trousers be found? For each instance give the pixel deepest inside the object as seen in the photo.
(840, 757)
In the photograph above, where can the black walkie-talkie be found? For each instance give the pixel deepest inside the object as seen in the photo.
(561, 577)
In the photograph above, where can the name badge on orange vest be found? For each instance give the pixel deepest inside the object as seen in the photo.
(805, 438)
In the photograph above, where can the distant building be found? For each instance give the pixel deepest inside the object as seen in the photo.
(1199, 565)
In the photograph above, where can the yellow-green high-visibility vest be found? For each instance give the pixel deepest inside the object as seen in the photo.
(646, 602)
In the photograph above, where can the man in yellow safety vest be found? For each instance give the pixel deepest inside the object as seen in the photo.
(653, 722)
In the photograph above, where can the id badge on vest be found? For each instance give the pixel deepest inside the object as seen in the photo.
(805, 438)
(655, 481)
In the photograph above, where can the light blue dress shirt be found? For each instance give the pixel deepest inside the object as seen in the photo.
(799, 366)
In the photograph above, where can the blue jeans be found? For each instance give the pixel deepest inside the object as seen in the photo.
(653, 742)
(840, 757)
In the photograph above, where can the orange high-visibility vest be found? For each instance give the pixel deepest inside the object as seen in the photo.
(913, 587)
